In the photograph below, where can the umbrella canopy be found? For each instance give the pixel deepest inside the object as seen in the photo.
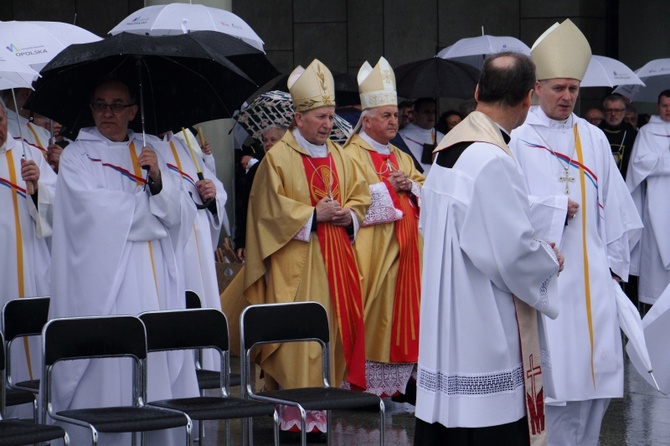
(182, 18)
(473, 50)
(656, 77)
(436, 77)
(276, 107)
(185, 79)
(656, 326)
(607, 72)
(36, 43)
(15, 74)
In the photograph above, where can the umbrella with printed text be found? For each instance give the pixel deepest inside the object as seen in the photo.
(607, 72)
(182, 18)
(180, 80)
(36, 43)
(656, 77)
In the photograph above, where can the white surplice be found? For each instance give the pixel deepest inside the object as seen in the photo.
(479, 251)
(584, 341)
(648, 180)
(415, 137)
(26, 257)
(33, 134)
(115, 256)
(199, 239)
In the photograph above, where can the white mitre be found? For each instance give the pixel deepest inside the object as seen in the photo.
(376, 86)
(562, 51)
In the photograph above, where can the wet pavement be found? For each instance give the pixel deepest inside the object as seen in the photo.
(641, 418)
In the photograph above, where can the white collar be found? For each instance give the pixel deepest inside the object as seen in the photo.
(384, 149)
(315, 151)
(552, 123)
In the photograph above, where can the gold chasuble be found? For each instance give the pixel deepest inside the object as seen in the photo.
(405, 324)
(287, 262)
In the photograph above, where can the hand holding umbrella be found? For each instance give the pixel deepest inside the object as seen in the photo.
(206, 189)
(148, 160)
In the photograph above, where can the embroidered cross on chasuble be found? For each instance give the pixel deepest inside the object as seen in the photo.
(340, 262)
(405, 329)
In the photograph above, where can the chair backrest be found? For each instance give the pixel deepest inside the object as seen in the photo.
(193, 300)
(277, 323)
(186, 329)
(93, 337)
(25, 316)
(296, 321)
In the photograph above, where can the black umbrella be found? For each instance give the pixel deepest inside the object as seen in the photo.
(182, 80)
(436, 77)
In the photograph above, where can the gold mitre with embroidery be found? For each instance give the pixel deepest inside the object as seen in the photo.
(376, 86)
(311, 87)
(562, 51)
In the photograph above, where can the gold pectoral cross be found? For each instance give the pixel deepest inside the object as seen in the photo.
(567, 180)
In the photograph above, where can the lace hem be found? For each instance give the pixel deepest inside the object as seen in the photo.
(388, 379)
(381, 210)
(305, 232)
(289, 419)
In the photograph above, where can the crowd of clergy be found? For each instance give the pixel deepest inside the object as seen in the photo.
(438, 264)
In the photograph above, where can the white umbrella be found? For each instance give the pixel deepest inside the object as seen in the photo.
(473, 50)
(36, 43)
(181, 18)
(656, 77)
(607, 72)
(15, 74)
(656, 327)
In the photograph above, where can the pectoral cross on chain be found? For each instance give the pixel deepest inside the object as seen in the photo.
(567, 180)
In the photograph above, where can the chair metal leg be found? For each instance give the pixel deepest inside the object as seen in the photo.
(329, 424)
(303, 426)
(275, 418)
(382, 410)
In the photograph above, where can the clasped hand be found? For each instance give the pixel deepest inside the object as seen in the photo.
(330, 211)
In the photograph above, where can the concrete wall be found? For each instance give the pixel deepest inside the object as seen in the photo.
(345, 33)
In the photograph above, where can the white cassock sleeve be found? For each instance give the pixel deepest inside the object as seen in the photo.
(500, 241)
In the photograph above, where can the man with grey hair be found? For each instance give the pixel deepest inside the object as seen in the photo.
(485, 278)
(388, 246)
(620, 134)
(26, 227)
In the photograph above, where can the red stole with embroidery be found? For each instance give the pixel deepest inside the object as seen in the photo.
(340, 262)
(405, 331)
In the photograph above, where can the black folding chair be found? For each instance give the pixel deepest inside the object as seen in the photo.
(22, 318)
(207, 379)
(71, 339)
(200, 329)
(14, 432)
(298, 322)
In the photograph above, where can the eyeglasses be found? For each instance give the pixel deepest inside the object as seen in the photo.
(615, 110)
(101, 107)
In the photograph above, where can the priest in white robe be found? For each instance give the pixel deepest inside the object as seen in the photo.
(421, 136)
(21, 126)
(203, 198)
(648, 181)
(486, 278)
(26, 226)
(580, 200)
(112, 238)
